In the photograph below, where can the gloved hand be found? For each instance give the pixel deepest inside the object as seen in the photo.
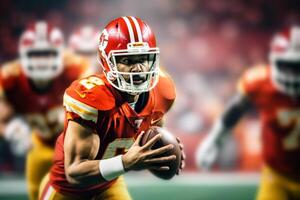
(17, 133)
(206, 153)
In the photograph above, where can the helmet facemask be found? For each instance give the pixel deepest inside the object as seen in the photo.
(129, 81)
(286, 76)
(285, 61)
(42, 64)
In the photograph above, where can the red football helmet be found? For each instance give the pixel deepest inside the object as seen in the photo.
(285, 60)
(84, 41)
(41, 51)
(128, 36)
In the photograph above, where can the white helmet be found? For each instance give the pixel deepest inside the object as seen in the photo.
(285, 60)
(84, 41)
(41, 51)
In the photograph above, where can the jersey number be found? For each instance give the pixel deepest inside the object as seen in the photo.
(91, 82)
(47, 124)
(286, 118)
(117, 146)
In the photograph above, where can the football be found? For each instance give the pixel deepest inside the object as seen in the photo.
(167, 138)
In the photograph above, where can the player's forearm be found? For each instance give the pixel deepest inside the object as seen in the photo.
(2, 127)
(6, 114)
(91, 172)
(84, 173)
(235, 110)
(3, 124)
(222, 127)
(218, 131)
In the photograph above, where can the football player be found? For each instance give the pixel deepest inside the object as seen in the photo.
(84, 42)
(107, 116)
(32, 87)
(274, 91)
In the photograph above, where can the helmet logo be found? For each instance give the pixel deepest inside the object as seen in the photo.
(103, 40)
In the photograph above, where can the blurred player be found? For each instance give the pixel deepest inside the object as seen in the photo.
(32, 88)
(84, 42)
(274, 91)
(107, 116)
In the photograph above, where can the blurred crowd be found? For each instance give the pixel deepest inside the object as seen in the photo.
(205, 46)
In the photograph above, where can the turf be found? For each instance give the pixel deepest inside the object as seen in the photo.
(146, 187)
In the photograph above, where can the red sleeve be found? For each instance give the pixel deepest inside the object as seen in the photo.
(166, 92)
(75, 117)
(85, 98)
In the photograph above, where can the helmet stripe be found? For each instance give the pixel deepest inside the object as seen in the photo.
(138, 28)
(295, 37)
(41, 30)
(133, 28)
(130, 29)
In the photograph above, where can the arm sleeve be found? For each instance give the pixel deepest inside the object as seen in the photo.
(237, 107)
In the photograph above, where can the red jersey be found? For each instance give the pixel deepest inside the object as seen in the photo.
(93, 101)
(40, 109)
(280, 120)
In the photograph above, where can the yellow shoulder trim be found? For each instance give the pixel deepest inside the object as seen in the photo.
(71, 59)
(11, 69)
(83, 110)
(241, 88)
(252, 75)
(256, 73)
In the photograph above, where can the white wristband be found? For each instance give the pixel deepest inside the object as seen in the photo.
(111, 168)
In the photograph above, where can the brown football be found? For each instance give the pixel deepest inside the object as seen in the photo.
(167, 138)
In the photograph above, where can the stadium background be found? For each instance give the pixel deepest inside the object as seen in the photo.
(205, 45)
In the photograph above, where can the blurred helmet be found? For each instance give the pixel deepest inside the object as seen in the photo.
(126, 36)
(285, 60)
(40, 50)
(84, 41)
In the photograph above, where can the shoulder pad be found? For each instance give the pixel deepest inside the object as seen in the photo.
(88, 95)
(9, 73)
(252, 79)
(74, 60)
(75, 65)
(166, 86)
(11, 69)
(165, 92)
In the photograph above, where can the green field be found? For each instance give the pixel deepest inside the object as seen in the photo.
(186, 187)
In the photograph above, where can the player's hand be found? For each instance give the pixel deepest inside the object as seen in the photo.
(17, 133)
(206, 153)
(183, 156)
(143, 157)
